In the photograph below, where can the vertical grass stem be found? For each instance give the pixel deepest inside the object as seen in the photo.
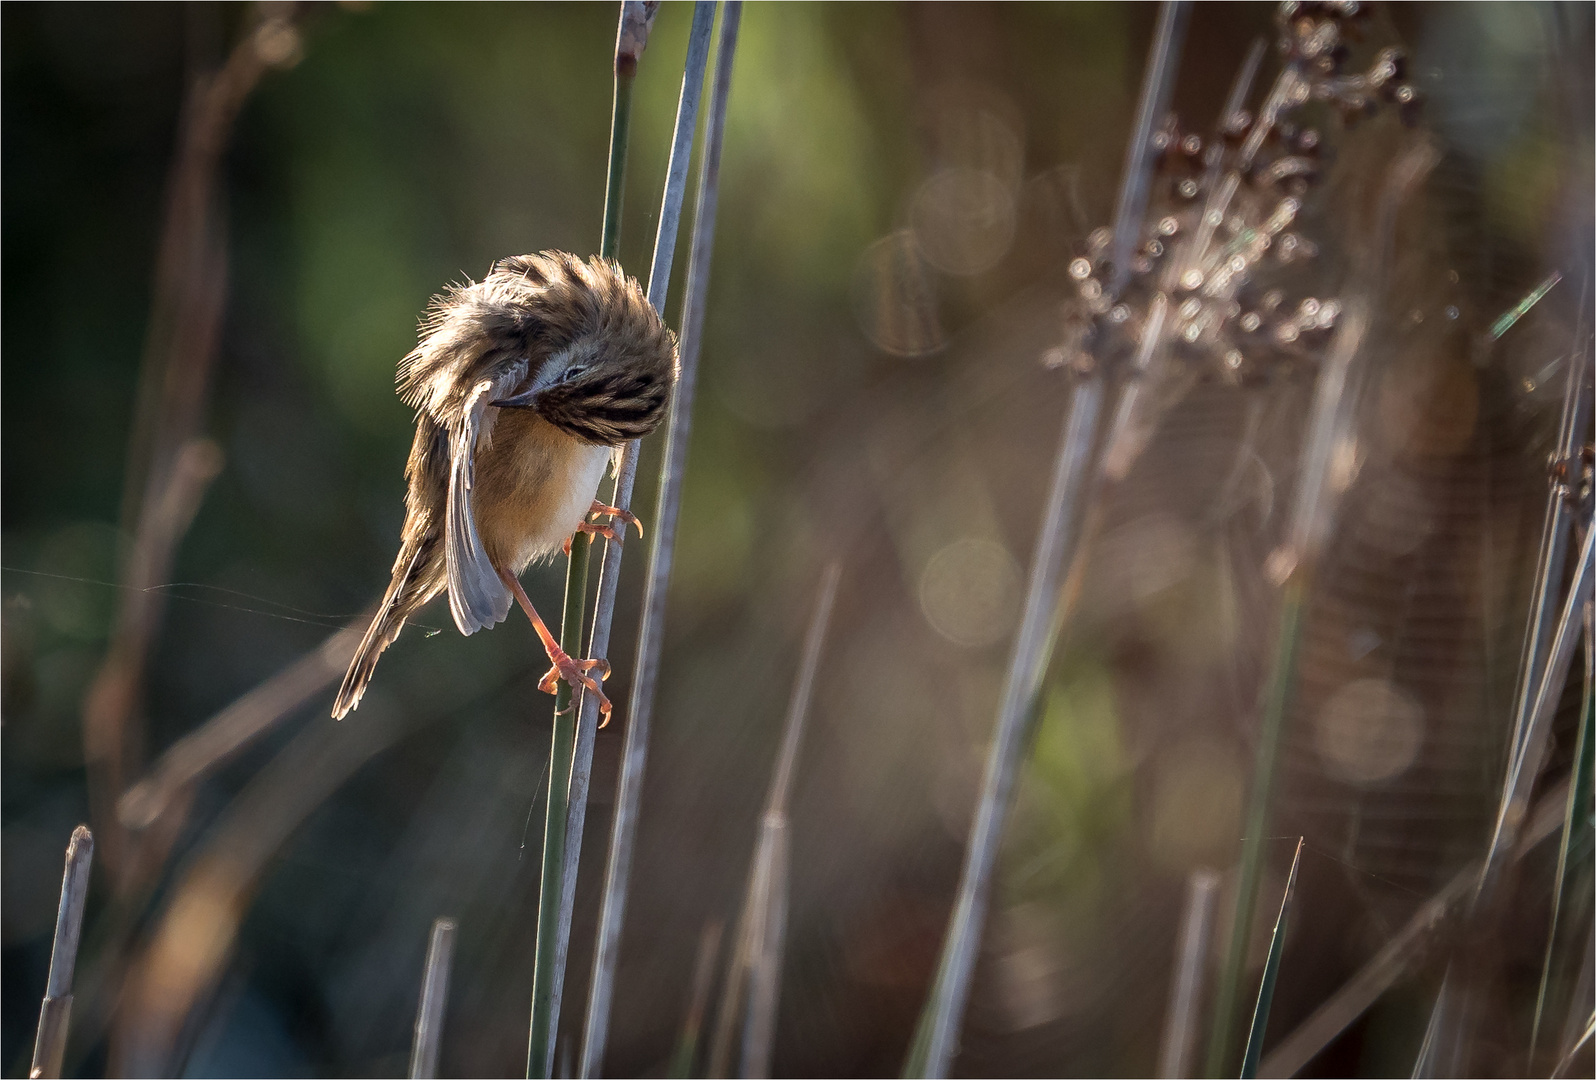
(428, 1038)
(651, 633)
(55, 1014)
(562, 740)
(1185, 995)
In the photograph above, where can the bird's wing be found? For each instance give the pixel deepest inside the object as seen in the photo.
(477, 596)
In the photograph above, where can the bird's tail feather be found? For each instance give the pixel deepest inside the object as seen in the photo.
(384, 629)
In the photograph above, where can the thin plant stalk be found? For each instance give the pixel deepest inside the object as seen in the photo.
(204, 749)
(673, 467)
(1266, 986)
(1394, 960)
(935, 1040)
(428, 1037)
(1337, 392)
(55, 1013)
(764, 920)
(563, 736)
(933, 1049)
(1158, 86)
(1521, 777)
(1576, 834)
(703, 980)
(1565, 1067)
(562, 741)
(575, 726)
(1443, 1035)
(1185, 995)
(1559, 516)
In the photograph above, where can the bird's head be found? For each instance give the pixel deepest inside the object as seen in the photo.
(609, 381)
(608, 387)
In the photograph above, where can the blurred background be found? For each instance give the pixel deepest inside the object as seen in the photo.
(239, 239)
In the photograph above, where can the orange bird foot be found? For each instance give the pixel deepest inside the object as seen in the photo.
(575, 672)
(572, 671)
(609, 530)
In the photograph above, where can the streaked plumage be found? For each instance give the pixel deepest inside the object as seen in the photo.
(524, 384)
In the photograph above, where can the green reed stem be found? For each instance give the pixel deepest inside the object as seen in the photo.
(1266, 987)
(1277, 703)
(563, 743)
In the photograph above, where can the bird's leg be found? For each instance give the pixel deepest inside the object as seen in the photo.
(572, 671)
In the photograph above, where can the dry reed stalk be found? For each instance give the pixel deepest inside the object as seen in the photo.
(55, 1012)
(211, 744)
(169, 464)
(1337, 392)
(762, 926)
(428, 1037)
(192, 937)
(567, 813)
(1179, 1046)
(935, 1043)
(673, 467)
(698, 1005)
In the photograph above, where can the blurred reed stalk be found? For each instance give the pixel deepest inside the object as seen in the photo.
(651, 634)
(1445, 1042)
(1337, 393)
(935, 1041)
(1428, 931)
(574, 728)
(55, 1013)
(170, 464)
(1571, 891)
(191, 939)
(213, 743)
(762, 926)
(1185, 997)
(703, 979)
(1438, 920)
(1544, 664)
(428, 1038)
(1271, 971)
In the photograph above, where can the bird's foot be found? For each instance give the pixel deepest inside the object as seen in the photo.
(609, 530)
(575, 672)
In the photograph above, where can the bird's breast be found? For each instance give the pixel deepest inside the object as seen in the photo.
(534, 485)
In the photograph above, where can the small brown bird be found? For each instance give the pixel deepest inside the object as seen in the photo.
(525, 385)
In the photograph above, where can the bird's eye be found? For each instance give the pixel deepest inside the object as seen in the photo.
(572, 372)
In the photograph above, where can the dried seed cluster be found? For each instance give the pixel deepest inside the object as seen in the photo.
(1221, 222)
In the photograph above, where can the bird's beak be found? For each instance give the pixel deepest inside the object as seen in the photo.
(524, 400)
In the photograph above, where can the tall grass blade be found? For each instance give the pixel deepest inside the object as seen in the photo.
(667, 510)
(1185, 996)
(631, 37)
(55, 1013)
(1395, 959)
(562, 853)
(428, 1038)
(1266, 987)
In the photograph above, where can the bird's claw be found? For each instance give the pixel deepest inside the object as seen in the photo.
(575, 672)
